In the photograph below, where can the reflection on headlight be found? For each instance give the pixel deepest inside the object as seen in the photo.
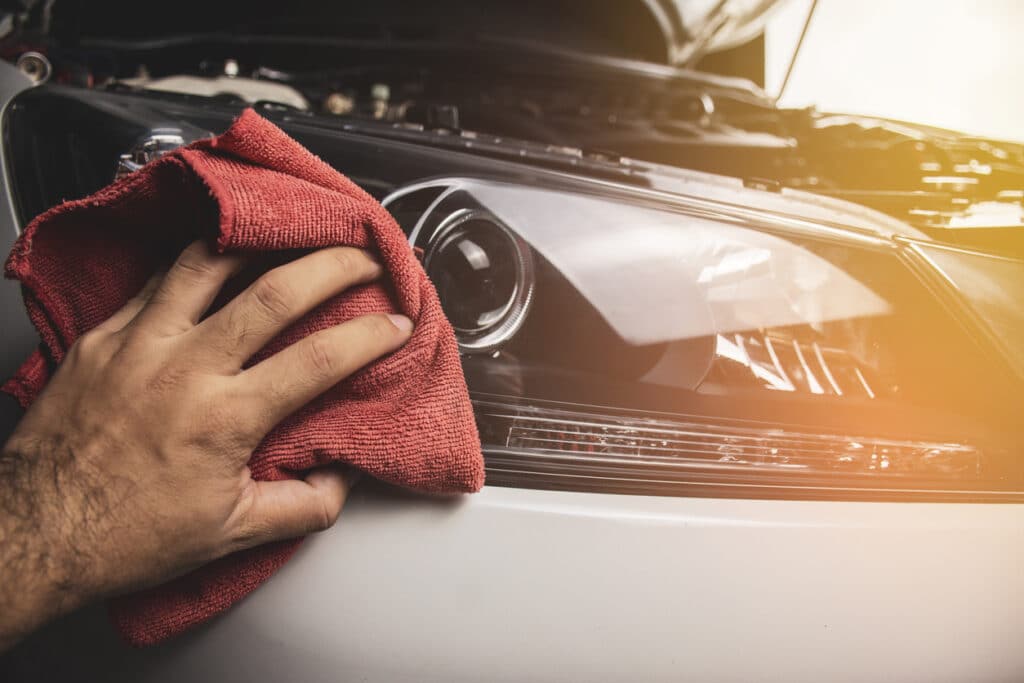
(704, 277)
(784, 363)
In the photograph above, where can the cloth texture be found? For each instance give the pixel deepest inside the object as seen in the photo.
(405, 419)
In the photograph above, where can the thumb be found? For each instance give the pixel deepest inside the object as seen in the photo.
(294, 507)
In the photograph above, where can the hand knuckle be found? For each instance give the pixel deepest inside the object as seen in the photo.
(325, 518)
(273, 295)
(138, 300)
(322, 357)
(136, 339)
(246, 534)
(195, 261)
(235, 328)
(221, 426)
(88, 346)
(90, 340)
(347, 260)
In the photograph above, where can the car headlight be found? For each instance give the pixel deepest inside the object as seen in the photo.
(706, 340)
(646, 347)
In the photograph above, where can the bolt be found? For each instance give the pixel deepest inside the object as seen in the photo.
(36, 66)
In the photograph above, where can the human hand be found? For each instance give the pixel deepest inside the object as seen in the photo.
(130, 468)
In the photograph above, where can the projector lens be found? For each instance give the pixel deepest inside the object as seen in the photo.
(483, 275)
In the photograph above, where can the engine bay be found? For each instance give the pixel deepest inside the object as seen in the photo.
(612, 106)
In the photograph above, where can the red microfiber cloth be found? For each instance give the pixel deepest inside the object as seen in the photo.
(405, 419)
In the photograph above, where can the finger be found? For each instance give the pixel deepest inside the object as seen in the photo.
(132, 307)
(280, 297)
(188, 289)
(294, 376)
(293, 508)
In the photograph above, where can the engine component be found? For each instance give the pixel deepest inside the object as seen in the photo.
(249, 90)
(36, 66)
(339, 104)
(149, 148)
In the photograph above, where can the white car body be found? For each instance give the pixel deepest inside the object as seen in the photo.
(522, 585)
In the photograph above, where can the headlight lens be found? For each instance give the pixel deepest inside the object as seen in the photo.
(666, 350)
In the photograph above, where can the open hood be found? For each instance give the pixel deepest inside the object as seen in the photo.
(674, 32)
(694, 28)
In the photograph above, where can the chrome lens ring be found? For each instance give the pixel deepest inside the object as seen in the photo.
(499, 323)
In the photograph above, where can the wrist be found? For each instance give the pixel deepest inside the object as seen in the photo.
(44, 575)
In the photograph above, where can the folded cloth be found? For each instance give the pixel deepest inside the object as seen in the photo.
(406, 419)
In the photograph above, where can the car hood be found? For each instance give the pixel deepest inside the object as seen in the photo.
(694, 28)
(673, 32)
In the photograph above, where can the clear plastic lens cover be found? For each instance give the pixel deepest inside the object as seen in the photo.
(676, 311)
(702, 277)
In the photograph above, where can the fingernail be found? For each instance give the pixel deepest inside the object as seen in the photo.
(401, 322)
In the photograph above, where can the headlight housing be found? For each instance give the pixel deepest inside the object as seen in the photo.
(668, 349)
